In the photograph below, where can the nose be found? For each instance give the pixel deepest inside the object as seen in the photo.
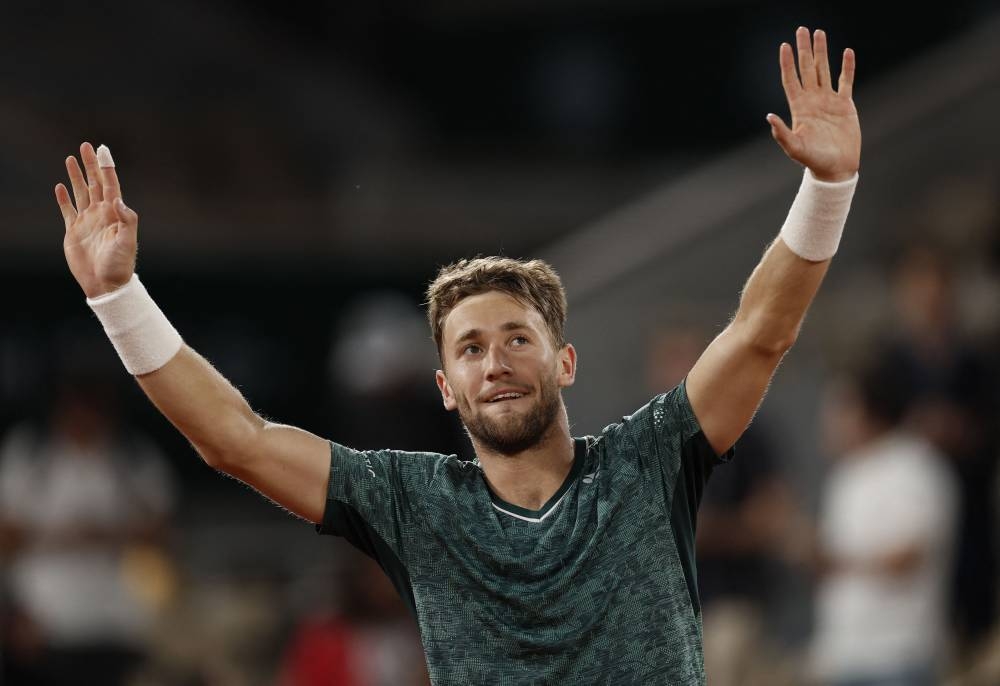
(497, 364)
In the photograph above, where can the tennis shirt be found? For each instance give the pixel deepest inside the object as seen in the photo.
(596, 587)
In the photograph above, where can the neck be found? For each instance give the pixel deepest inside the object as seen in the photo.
(531, 477)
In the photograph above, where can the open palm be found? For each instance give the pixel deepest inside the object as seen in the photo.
(100, 240)
(825, 134)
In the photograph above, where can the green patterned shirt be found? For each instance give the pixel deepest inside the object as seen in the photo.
(596, 587)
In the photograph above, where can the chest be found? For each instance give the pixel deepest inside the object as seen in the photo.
(604, 547)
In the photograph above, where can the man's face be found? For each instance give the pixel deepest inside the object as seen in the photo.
(502, 372)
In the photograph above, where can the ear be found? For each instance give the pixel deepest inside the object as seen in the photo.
(446, 395)
(567, 366)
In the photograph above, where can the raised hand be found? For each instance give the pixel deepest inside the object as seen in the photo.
(100, 241)
(825, 134)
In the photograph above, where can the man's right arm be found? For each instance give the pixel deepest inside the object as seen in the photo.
(288, 465)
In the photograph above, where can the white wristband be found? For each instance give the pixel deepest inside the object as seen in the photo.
(140, 332)
(816, 219)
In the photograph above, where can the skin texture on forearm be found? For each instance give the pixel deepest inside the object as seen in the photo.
(288, 465)
(776, 297)
(202, 405)
(728, 382)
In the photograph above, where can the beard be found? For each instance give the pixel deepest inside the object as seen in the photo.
(514, 432)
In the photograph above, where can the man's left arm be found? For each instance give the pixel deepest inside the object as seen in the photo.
(728, 382)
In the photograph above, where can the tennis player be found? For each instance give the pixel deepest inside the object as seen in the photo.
(548, 558)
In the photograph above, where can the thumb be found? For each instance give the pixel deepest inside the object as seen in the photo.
(782, 134)
(126, 215)
(128, 221)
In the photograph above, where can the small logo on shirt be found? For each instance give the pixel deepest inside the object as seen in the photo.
(368, 463)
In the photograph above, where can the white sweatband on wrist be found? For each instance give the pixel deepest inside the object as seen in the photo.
(140, 332)
(816, 219)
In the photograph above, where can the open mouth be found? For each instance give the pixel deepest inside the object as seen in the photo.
(503, 397)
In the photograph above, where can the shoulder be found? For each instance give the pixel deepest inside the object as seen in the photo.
(439, 466)
(408, 465)
(901, 464)
(668, 413)
(918, 458)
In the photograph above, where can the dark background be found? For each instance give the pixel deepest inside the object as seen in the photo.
(286, 157)
(302, 170)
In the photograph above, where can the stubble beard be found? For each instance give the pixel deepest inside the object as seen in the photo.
(515, 432)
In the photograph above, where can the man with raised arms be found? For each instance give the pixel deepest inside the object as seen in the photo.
(549, 558)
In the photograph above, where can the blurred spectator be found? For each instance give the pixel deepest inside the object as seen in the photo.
(381, 365)
(369, 640)
(741, 521)
(83, 506)
(886, 534)
(953, 406)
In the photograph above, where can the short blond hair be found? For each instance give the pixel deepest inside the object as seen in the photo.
(531, 282)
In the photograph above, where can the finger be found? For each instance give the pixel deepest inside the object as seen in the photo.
(65, 205)
(807, 69)
(821, 58)
(125, 213)
(80, 191)
(789, 79)
(783, 135)
(846, 85)
(109, 177)
(93, 172)
(128, 224)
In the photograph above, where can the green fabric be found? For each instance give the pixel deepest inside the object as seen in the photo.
(598, 586)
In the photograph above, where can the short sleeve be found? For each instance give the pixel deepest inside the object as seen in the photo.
(668, 445)
(374, 496)
(665, 443)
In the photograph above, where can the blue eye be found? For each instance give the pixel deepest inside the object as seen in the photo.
(520, 340)
(471, 349)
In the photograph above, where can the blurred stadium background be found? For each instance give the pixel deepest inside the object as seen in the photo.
(301, 171)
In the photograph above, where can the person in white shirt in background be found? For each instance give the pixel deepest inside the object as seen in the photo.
(84, 511)
(885, 540)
